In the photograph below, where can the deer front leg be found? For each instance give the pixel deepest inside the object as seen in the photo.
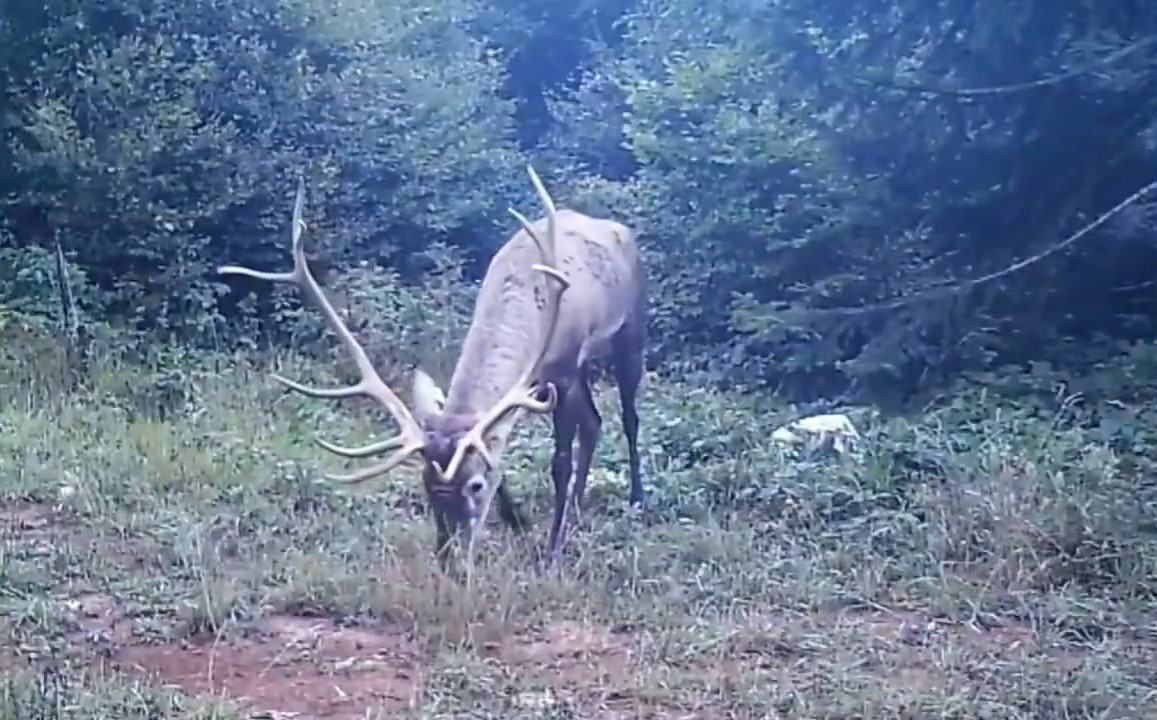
(445, 544)
(561, 471)
(589, 424)
(509, 511)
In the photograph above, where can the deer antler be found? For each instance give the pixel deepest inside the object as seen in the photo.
(410, 438)
(525, 392)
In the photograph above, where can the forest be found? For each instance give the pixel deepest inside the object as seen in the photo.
(936, 220)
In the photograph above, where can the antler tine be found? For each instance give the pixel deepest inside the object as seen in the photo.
(400, 457)
(410, 439)
(524, 393)
(360, 476)
(374, 448)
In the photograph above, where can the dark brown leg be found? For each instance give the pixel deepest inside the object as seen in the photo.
(444, 542)
(509, 512)
(627, 367)
(561, 467)
(589, 425)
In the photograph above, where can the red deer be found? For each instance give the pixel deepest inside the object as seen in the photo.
(560, 294)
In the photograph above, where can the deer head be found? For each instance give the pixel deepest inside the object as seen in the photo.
(453, 446)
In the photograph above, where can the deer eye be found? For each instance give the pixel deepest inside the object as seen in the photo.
(475, 485)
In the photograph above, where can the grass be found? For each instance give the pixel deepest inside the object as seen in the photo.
(167, 551)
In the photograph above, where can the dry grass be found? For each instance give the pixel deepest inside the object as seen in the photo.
(187, 563)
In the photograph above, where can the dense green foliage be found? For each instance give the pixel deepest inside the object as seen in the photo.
(797, 169)
(155, 140)
(839, 202)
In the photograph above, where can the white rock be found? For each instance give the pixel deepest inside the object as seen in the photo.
(817, 431)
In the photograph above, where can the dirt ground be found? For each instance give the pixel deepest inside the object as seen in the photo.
(286, 666)
(309, 667)
(289, 666)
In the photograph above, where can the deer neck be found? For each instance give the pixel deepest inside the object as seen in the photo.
(504, 337)
(501, 340)
(482, 377)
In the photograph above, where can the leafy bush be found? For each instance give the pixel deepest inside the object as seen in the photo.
(401, 325)
(792, 165)
(172, 142)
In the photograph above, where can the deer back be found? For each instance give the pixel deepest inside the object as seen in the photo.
(600, 260)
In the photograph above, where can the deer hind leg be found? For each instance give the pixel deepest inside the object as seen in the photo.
(589, 424)
(627, 367)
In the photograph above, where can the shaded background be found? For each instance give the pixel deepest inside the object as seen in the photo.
(855, 155)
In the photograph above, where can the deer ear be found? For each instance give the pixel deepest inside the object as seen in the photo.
(428, 398)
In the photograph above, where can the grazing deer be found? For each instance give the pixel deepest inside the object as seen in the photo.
(563, 292)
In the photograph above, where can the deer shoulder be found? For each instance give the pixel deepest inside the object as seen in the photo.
(599, 259)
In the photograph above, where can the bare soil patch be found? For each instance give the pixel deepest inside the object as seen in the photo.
(316, 668)
(23, 517)
(568, 653)
(310, 667)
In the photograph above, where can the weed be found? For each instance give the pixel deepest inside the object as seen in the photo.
(182, 558)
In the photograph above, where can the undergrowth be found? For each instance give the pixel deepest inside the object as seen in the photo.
(170, 550)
